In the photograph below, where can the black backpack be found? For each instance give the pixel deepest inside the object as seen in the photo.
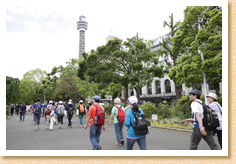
(37, 109)
(210, 120)
(140, 125)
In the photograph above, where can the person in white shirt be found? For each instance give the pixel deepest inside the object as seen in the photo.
(213, 104)
(199, 131)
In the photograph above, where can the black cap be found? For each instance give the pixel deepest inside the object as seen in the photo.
(195, 92)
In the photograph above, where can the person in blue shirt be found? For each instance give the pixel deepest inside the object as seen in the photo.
(22, 110)
(38, 116)
(129, 119)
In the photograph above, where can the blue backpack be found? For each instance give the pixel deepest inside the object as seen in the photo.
(37, 109)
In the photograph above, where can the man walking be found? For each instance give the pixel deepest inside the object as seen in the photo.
(22, 110)
(70, 111)
(38, 112)
(17, 109)
(199, 131)
(95, 130)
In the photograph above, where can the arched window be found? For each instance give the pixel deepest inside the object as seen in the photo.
(168, 86)
(158, 88)
(149, 88)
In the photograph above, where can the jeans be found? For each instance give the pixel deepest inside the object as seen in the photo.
(141, 143)
(95, 132)
(219, 135)
(22, 113)
(81, 118)
(197, 136)
(60, 118)
(37, 119)
(119, 131)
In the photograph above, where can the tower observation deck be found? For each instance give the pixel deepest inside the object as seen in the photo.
(82, 26)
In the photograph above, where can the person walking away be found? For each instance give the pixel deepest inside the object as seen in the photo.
(27, 109)
(22, 111)
(12, 109)
(129, 122)
(213, 104)
(199, 131)
(82, 111)
(70, 111)
(38, 112)
(17, 109)
(50, 109)
(118, 123)
(96, 116)
(55, 113)
(60, 114)
(45, 110)
(89, 104)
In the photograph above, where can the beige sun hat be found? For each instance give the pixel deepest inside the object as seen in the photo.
(213, 95)
(117, 101)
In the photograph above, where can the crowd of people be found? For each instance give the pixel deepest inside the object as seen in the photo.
(131, 116)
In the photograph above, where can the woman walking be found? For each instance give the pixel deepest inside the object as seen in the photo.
(60, 114)
(213, 104)
(129, 122)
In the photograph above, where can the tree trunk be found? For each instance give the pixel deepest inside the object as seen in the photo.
(138, 89)
(126, 93)
(178, 91)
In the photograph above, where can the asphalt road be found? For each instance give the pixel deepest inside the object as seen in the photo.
(22, 136)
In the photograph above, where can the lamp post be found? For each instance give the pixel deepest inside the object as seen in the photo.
(204, 75)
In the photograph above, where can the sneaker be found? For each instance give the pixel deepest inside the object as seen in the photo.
(50, 129)
(36, 129)
(70, 126)
(122, 141)
(99, 148)
(23, 120)
(118, 144)
(46, 127)
(81, 126)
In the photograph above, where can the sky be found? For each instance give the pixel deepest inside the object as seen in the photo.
(45, 35)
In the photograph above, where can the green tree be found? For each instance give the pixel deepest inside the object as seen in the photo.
(12, 90)
(27, 90)
(165, 51)
(189, 40)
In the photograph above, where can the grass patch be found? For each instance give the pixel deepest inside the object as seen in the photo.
(172, 123)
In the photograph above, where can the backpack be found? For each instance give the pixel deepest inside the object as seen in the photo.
(49, 109)
(70, 111)
(100, 116)
(140, 125)
(37, 109)
(81, 109)
(210, 120)
(120, 115)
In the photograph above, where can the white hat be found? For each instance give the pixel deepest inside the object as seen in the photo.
(81, 101)
(50, 102)
(133, 100)
(117, 101)
(70, 100)
(213, 95)
(60, 102)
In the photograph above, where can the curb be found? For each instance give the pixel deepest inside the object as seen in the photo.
(181, 130)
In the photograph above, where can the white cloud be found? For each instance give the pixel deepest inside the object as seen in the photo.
(9, 18)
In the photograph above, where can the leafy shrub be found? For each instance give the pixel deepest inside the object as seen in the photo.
(164, 110)
(7, 110)
(108, 108)
(183, 107)
(148, 109)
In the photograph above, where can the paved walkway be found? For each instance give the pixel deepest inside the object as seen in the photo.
(22, 136)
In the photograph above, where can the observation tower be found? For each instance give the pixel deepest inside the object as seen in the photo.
(82, 26)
